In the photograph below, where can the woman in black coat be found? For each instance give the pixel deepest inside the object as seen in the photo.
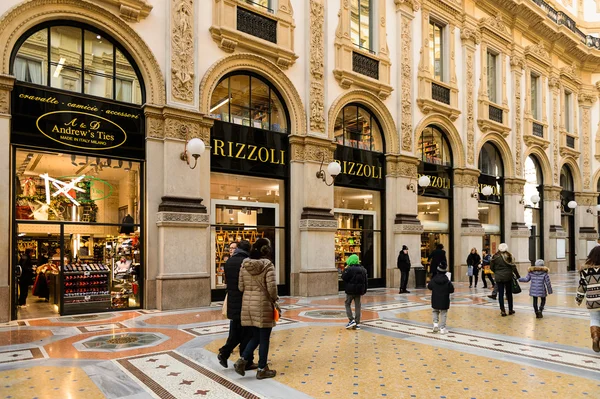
(473, 262)
(436, 258)
(404, 266)
(237, 334)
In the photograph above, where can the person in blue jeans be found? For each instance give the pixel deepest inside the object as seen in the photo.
(355, 277)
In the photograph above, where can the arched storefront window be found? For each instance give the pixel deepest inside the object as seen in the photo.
(249, 100)
(77, 59)
(359, 191)
(534, 207)
(491, 207)
(249, 172)
(567, 194)
(79, 147)
(357, 127)
(435, 202)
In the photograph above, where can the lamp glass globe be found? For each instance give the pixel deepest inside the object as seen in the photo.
(334, 168)
(487, 190)
(598, 207)
(572, 204)
(196, 147)
(424, 181)
(535, 198)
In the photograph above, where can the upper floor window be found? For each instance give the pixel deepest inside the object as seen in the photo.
(357, 127)
(436, 49)
(78, 59)
(490, 161)
(433, 147)
(566, 179)
(361, 23)
(265, 4)
(568, 111)
(250, 100)
(492, 76)
(535, 98)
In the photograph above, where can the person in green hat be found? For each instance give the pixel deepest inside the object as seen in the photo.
(355, 277)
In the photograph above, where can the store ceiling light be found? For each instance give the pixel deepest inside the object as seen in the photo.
(59, 67)
(22, 234)
(219, 105)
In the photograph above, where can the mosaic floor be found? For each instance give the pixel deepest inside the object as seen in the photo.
(148, 354)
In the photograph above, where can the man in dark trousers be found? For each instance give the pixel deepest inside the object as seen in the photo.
(404, 266)
(436, 258)
(238, 335)
(26, 277)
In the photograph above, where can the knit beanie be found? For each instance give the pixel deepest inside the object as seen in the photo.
(503, 247)
(539, 262)
(352, 260)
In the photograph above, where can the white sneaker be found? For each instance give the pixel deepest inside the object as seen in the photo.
(350, 325)
(436, 328)
(443, 331)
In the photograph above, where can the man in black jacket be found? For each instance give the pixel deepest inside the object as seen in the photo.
(237, 334)
(436, 258)
(404, 266)
(356, 284)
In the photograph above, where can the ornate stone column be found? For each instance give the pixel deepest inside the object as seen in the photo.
(516, 232)
(468, 231)
(470, 37)
(554, 230)
(6, 86)
(401, 202)
(177, 218)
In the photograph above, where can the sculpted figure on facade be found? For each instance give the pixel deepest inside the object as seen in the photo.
(406, 39)
(182, 50)
(317, 44)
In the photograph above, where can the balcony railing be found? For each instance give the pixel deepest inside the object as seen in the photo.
(571, 142)
(256, 25)
(495, 114)
(560, 18)
(365, 65)
(538, 130)
(440, 93)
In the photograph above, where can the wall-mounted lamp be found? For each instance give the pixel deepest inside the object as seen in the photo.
(486, 191)
(571, 205)
(194, 148)
(423, 182)
(589, 210)
(535, 199)
(333, 169)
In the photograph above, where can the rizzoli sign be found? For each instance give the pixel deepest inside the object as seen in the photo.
(248, 150)
(360, 168)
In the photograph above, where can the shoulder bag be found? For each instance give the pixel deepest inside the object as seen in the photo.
(276, 309)
(516, 288)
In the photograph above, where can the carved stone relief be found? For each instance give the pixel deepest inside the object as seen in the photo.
(586, 148)
(317, 44)
(186, 130)
(182, 50)
(518, 138)
(555, 134)
(470, 109)
(406, 129)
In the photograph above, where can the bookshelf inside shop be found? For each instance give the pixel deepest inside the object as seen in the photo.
(225, 236)
(431, 152)
(347, 242)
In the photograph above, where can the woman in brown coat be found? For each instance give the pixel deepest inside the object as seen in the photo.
(257, 282)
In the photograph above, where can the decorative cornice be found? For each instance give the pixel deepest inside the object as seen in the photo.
(174, 219)
(316, 213)
(170, 204)
(466, 177)
(496, 26)
(539, 53)
(514, 186)
(587, 98)
(470, 35)
(517, 62)
(570, 72)
(318, 224)
(7, 83)
(130, 10)
(414, 5)
(310, 148)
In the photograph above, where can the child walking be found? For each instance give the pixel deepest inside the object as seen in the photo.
(540, 285)
(355, 277)
(441, 288)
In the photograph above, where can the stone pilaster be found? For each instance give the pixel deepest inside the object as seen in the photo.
(470, 37)
(6, 86)
(553, 230)
(516, 232)
(183, 76)
(468, 231)
(404, 17)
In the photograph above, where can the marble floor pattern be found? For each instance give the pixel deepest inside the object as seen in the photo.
(150, 354)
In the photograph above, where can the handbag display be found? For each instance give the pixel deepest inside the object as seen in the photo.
(224, 309)
(516, 288)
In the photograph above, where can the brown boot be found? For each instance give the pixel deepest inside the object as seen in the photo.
(265, 373)
(595, 331)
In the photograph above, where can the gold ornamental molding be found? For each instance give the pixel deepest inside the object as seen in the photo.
(517, 64)
(182, 50)
(466, 177)
(586, 199)
(408, 5)
(407, 77)
(311, 149)
(264, 67)
(7, 83)
(130, 10)
(404, 166)
(18, 20)
(470, 37)
(551, 193)
(514, 186)
(374, 103)
(176, 123)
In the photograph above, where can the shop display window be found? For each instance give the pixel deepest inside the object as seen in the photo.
(433, 147)
(246, 208)
(434, 215)
(55, 57)
(357, 127)
(359, 232)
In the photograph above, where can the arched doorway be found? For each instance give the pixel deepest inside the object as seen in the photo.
(78, 153)
(435, 202)
(566, 246)
(534, 207)
(491, 207)
(359, 200)
(249, 172)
